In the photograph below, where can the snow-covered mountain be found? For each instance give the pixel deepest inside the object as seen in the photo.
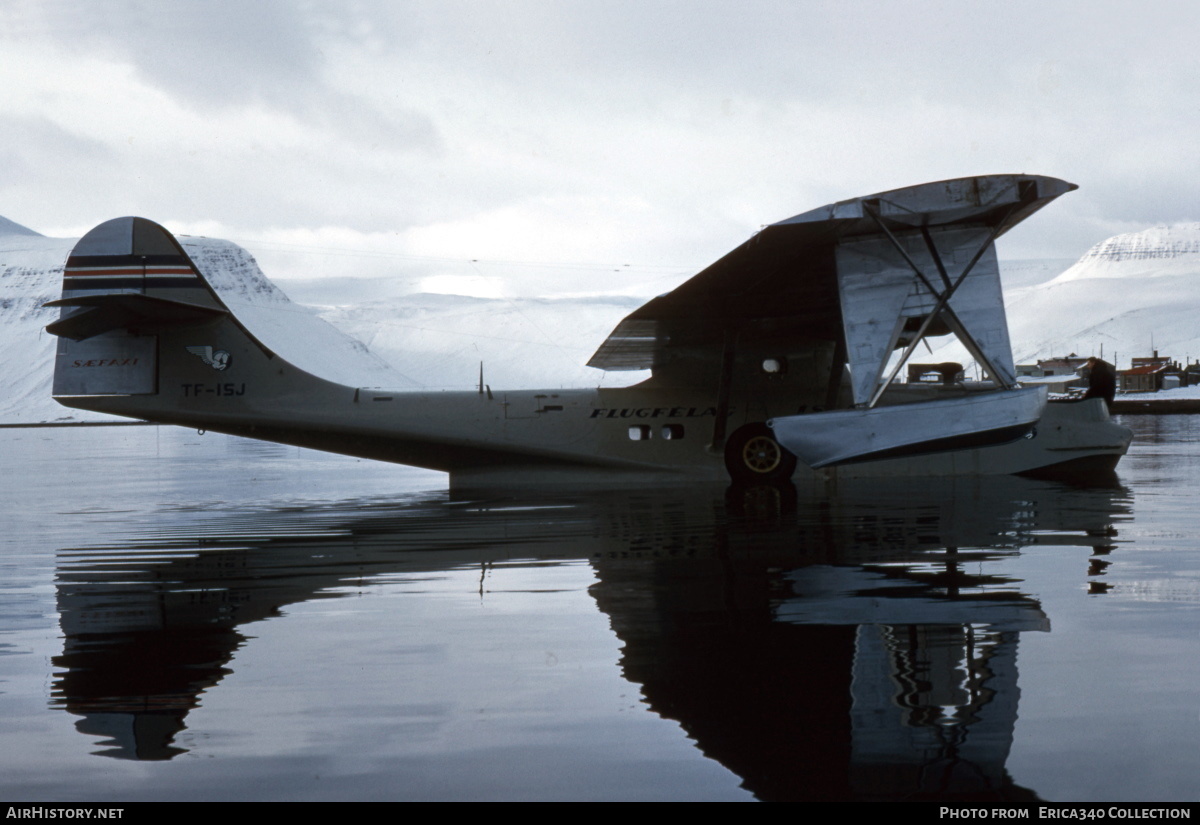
(1121, 295)
(30, 275)
(403, 342)
(1126, 296)
(1129, 294)
(439, 341)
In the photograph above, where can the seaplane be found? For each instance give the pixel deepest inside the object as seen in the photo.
(779, 362)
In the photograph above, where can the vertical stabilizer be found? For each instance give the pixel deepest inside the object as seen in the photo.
(124, 282)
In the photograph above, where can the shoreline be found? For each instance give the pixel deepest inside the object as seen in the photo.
(1155, 406)
(19, 425)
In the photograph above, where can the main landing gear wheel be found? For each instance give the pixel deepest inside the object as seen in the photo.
(753, 455)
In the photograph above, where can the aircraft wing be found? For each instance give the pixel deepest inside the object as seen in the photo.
(827, 274)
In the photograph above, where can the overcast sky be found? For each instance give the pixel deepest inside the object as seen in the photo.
(526, 148)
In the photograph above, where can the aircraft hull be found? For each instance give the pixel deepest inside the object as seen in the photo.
(487, 450)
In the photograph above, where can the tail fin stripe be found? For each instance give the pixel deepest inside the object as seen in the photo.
(88, 261)
(125, 270)
(73, 284)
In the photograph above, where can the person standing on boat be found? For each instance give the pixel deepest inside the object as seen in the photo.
(1102, 380)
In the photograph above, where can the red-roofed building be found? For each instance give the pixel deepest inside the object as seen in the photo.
(1147, 374)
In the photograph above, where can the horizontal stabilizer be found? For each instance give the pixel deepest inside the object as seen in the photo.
(140, 314)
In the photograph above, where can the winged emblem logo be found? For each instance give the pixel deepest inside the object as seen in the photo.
(218, 360)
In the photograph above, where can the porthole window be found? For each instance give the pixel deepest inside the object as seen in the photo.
(774, 366)
(639, 432)
(672, 432)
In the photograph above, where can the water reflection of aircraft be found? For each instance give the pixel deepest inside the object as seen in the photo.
(784, 348)
(839, 647)
(867, 664)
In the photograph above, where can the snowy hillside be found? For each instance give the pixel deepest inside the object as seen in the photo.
(1125, 297)
(405, 342)
(1130, 294)
(292, 330)
(31, 274)
(440, 340)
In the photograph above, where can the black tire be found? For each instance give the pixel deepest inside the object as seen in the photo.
(753, 455)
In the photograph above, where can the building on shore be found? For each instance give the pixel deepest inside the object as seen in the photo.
(1151, 374)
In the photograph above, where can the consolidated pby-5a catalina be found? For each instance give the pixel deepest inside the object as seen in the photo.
(776, 362)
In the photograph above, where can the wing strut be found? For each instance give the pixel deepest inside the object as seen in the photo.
(837, 368)
(723, 391)
(944, 296)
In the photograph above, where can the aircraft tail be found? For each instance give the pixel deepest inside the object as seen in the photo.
(125, 282)
(144, 333)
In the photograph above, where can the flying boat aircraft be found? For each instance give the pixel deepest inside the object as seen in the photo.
(777, 362)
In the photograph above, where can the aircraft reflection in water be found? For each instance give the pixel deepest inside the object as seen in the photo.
(849, 646)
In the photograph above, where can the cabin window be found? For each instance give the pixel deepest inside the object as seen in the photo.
(774, 366)
(639, 432)
(672, 432)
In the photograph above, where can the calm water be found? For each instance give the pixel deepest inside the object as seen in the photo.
(198, 617)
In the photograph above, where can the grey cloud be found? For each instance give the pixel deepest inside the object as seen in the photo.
(217, 54)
